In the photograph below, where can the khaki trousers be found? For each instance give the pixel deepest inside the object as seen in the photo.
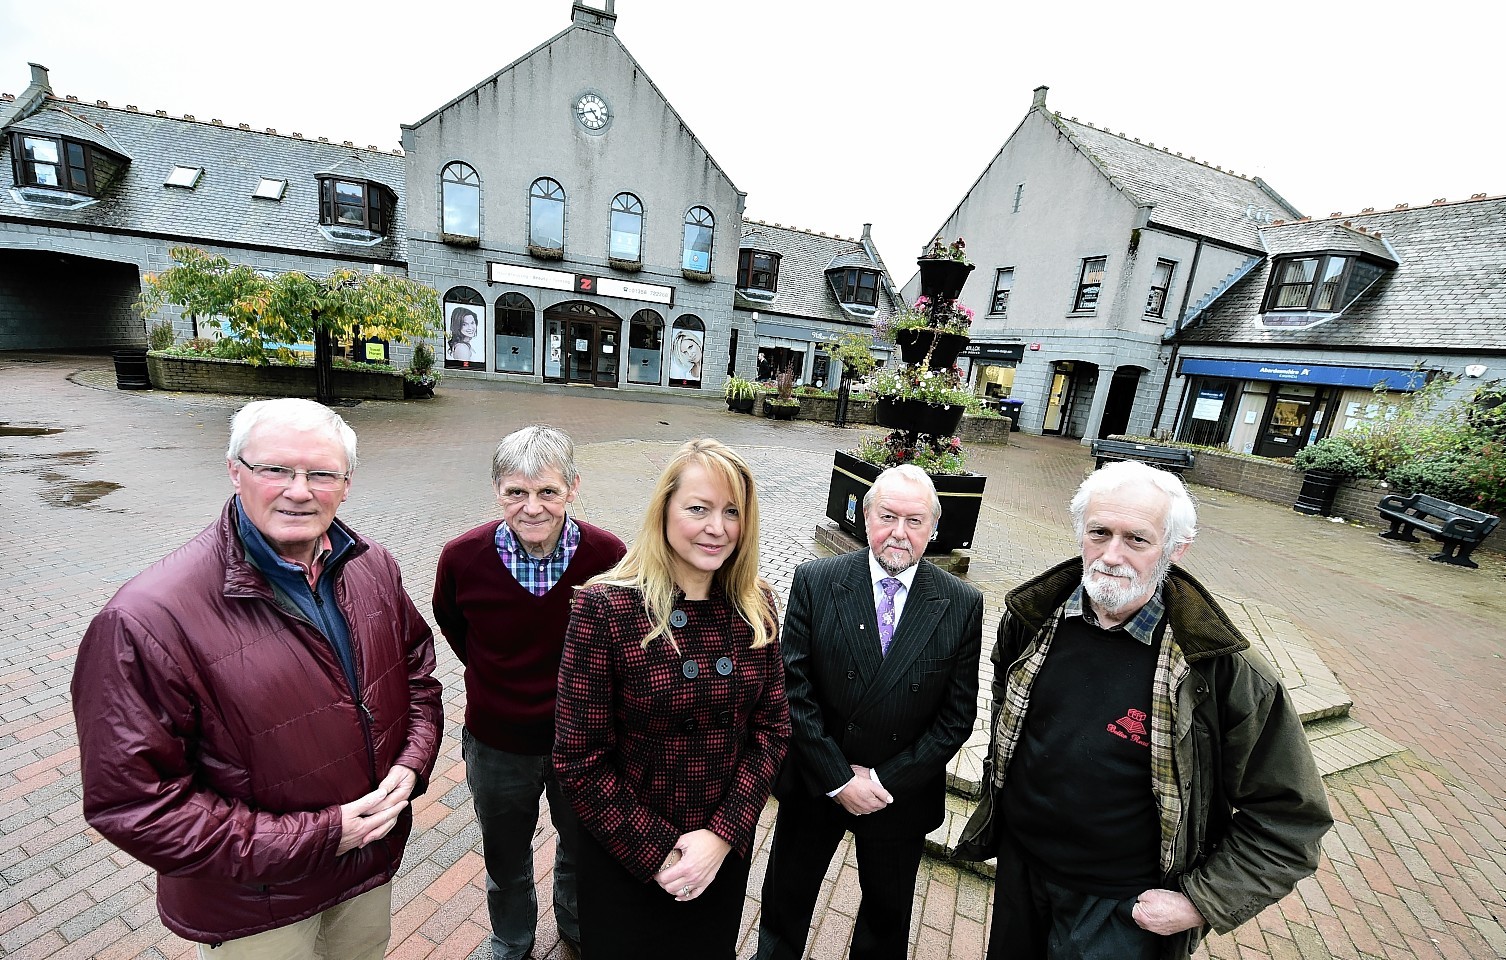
(357, 929)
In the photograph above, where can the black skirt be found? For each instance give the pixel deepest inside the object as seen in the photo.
(623, 918)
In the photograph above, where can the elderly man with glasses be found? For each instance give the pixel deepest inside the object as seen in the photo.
(502, 599)
(256, 710)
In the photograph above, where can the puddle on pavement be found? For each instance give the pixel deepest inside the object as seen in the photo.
(64, 492)
(8, 430)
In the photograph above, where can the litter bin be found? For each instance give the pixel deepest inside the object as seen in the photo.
(130, 370)
(1011, 408)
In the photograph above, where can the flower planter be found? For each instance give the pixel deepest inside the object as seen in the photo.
(918, 415)
(779, 411)
(916, 342)
(961, 497)
(131, 370)
(1318, 490)
(740, 404)
(418, 390)
(942, 280)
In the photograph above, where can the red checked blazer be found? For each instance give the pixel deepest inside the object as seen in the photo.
(645, 753)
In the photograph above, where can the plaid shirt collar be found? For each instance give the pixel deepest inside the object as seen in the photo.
(538, 575)
(1142, 626)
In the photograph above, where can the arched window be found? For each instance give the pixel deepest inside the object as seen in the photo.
(699, 226)
(460, 199)
(465, 329)
(626, 229)
(686, 351)
(645, 347)
(546, 217)
(515, 326)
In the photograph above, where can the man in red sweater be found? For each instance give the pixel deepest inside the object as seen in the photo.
(502, 599)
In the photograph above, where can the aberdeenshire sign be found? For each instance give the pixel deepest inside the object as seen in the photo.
(581, 283)
(1305, 373)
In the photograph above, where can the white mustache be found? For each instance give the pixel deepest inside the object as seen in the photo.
(1119, 570)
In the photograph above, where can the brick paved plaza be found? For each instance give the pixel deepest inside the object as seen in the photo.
(98, 483)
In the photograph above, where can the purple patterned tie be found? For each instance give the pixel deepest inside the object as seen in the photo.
(886, 617)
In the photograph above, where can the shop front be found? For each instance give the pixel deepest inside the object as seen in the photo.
(1275, 408)
(991, 366)
(804, 347)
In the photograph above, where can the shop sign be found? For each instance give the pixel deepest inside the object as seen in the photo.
(580, 283)
(982, 350)
(1305, 373)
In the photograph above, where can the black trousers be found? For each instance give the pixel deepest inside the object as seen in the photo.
(806, 834)
(622, 918)
(1035, 919)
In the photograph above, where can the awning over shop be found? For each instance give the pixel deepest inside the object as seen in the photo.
(1288, 372)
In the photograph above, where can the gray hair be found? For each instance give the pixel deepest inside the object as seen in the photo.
(1181, 508)
(290, 413)
(532, 450)
(912, 473)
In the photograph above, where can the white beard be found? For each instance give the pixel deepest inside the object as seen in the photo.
(1114, 596)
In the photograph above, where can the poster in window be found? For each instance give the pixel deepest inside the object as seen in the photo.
(464, 347)
(685, 357)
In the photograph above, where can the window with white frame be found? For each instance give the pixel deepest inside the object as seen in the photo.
(270, 189)
(699, 232)
(546, 215)
(1003, 283)
(185, 177)
(460, 200)
(626, 229)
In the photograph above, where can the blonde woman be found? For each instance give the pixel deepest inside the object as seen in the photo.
(671, 719)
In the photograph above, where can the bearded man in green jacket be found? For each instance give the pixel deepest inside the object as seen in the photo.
(1148, 777)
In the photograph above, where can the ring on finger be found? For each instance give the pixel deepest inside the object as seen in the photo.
(685, 890)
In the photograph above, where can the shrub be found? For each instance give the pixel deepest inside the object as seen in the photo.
(1334, 455)
(159, 336)
(1443, 475)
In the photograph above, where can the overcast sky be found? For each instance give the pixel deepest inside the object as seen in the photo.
(831, 114)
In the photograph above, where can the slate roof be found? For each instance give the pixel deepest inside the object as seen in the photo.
(220, 209)
(1447, 293)
(1325, 235)
(1183, 193)
(804, 257)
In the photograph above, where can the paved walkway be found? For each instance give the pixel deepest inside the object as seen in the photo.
(1416, 867)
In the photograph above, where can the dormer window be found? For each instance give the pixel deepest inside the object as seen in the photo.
(758, 270)
(57, 163)
(361, 205)
(1319, 283)
(855, 286)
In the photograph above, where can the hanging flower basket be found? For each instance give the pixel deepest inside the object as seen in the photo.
(942, 280)
(918, 415)
(915, 343)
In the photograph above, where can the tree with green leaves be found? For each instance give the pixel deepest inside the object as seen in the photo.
(293, 307)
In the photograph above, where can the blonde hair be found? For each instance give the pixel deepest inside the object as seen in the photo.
(648, 566)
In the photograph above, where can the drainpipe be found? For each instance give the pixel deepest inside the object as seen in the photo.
(1171, 365)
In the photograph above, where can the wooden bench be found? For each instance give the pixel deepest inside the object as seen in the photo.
(1175, 459)
(1459, 529)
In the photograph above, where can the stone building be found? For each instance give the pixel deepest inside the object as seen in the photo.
(98, 195)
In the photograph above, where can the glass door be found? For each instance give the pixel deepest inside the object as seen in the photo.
(1056, 402)
(1286, 426)
(607, 355)
(581, 349)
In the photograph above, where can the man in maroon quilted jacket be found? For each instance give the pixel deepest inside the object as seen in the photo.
(256, 710)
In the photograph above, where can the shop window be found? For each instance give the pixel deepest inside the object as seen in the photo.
(645, 347)
(1003, 283)
(758, 270)
(546, 219)
(460, 202)
(1089, 283)
(855, 286)
(359, 205)
(687, 347)
(699, 231)
(514, 336)
(1160, 286)
(465, 323)
(625, 242)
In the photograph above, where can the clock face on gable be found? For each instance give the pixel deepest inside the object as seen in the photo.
(592, 111)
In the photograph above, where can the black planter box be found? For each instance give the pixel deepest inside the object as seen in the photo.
(942, 280)
(961, 499)
(914, 343)
(930, 418)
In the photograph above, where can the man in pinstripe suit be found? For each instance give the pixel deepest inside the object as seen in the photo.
(881, 669)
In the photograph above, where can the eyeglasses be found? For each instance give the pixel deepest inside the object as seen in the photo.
(519, 495)
(274, 475)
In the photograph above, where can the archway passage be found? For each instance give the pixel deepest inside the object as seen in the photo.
(582, 344)
(54, 301)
